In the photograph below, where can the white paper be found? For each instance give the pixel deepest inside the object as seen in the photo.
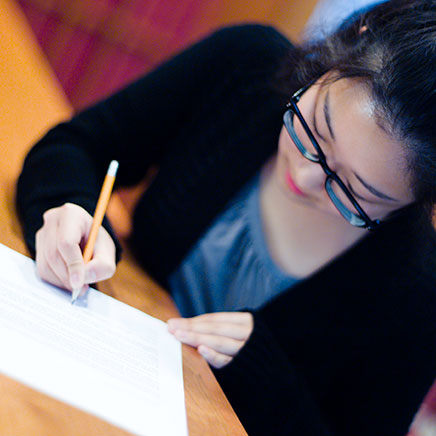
(99, 355)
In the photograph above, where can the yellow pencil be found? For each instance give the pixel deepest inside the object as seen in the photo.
(100, 211)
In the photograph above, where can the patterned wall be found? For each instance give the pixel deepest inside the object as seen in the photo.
(97, 46)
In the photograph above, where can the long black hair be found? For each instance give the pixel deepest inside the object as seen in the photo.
(392, 49)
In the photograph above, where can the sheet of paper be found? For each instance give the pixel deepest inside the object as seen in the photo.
(100, 355)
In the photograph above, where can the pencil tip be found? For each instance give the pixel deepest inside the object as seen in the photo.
(75, 294)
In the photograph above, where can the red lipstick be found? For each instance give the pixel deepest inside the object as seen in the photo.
(292, 186)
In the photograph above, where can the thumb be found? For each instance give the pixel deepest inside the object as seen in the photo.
(76, 273)
(97, 270)
(90, 275)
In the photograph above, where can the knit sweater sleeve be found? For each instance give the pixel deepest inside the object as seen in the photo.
(336, 365)
(266, 391)
(137, 126)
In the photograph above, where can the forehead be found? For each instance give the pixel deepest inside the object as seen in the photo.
(362, 144)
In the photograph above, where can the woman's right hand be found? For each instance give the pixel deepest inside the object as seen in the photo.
(59, 244)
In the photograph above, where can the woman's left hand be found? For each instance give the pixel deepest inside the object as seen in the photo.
(217, 336)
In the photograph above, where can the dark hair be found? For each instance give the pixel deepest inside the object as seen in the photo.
(392, 49)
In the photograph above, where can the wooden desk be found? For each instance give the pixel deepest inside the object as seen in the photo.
(31, 101)
(24, 411)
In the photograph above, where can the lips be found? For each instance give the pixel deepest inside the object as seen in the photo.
(292, 186)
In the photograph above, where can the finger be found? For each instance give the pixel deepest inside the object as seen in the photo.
(231, 317)
(234, 331)
(221, 344)
(50, 264)
(49, 276)
(243, 318)
(217, 360)
(237, 325)
(102, 265)
(97, 270)
(45, 272)
(74, 223)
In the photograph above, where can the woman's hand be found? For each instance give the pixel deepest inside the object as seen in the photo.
(217, 336)
(59, 244)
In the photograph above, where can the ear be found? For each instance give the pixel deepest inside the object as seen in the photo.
(363, 29)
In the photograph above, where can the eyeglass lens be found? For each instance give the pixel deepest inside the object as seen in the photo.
(308, 150)
(342, 202)
(302, 140)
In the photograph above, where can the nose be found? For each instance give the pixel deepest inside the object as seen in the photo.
(310, 177)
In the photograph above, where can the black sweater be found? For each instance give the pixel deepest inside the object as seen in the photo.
(350, 350)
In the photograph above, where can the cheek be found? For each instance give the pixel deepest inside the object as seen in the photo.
(286, 147)
(283, 140)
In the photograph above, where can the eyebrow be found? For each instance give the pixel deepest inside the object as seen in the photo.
(328, 121)
(374, 191)
(315, 127)
(327, 117)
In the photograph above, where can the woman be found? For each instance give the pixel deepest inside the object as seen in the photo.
(329, 237)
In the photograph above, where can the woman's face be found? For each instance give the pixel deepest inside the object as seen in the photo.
(370, 162)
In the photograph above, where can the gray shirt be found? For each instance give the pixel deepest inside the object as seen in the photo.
(230, 267)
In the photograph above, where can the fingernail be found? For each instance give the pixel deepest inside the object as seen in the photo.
(75, 281)
(203, 351)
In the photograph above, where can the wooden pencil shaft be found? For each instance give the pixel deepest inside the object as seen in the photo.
(100, 211)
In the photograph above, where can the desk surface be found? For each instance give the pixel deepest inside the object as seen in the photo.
(24, 411)
(32, 101)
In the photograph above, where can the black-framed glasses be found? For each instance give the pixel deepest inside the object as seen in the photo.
(339, 194)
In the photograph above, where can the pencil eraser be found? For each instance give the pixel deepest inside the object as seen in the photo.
(113, 167)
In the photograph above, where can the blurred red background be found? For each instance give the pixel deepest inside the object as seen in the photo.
(97, 46)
